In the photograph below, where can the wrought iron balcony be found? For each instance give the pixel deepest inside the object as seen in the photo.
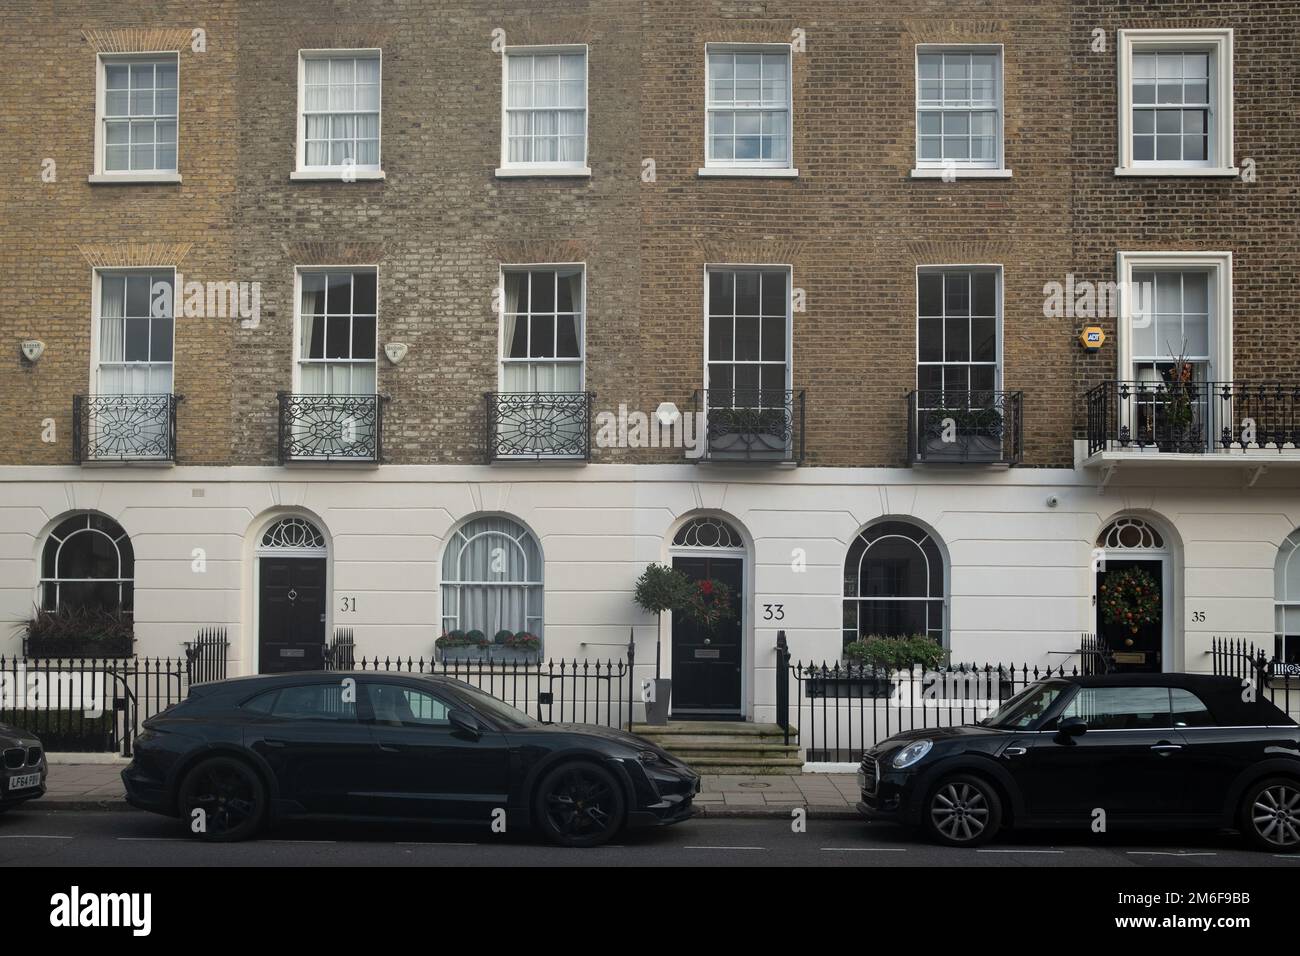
(1194, 417)
(331, 427)
(538, 426)
(124, 427)
(751, 424)
(965, 427)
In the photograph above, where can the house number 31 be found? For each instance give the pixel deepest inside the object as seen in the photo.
(349, 604)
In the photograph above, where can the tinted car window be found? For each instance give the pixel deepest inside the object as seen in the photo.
(1189, 710)
(1026, 707)
(314, 702)
(1121, 708)
(262, 703)
(397, 706)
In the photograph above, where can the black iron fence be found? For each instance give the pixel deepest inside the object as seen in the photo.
(1193, 417)
(83, 705)
(752, 424)
(576, 691)
(538, 425)
(1273, 677)
(965, 427)
(341, 651)
(205, 656)
(331, 427)
(124, 427)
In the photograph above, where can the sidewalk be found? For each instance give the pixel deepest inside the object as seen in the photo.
(98, 786)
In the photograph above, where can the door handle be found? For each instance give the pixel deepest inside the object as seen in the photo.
(274, 742)
(1015, 752)
(1165, 748)
(390, 749)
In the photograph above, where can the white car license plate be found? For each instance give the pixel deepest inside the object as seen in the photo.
(25, 782)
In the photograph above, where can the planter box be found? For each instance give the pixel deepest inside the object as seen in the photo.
(44, 648)
(468, 652)
(500, 653)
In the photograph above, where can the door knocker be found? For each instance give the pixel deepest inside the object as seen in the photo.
(293, 595)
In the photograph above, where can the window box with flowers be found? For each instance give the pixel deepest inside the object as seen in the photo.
(515, 647)
(462, 646)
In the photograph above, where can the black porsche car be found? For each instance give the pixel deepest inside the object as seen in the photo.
(241, 753)
(1150, 750)
(22, 767)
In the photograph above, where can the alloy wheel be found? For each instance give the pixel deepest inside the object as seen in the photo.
(1276, 814)
(581, 804)
(959, 811)
(227, 795)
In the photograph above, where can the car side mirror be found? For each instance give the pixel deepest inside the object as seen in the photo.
(1071, 727)
(464, 723)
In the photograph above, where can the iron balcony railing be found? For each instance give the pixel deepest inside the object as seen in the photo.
(124, 427)
(537, 426)
(751, 424)
(331, 427)
(960, 427)
(1193, 417)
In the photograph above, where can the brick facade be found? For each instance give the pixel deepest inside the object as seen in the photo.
(853, 226)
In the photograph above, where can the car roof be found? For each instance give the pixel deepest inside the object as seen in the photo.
(269, 681)
(1221, 694)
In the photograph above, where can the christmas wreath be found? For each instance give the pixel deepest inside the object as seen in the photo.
(709, 604)
(1130, 597)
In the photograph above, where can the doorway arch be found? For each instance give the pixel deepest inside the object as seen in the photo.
(291, 586)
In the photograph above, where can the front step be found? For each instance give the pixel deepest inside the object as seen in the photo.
(726, 746)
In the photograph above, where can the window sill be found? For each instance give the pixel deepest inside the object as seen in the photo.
(957, 172)
(748, 172)
(332, 175)
(533, 172)
(132, 179)
(1223, 172)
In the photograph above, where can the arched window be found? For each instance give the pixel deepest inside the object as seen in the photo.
(708, 532)
(893, 583)
(1286, 591)
(293, 534)
(1130, 534)
(492, 578)
(87, 562)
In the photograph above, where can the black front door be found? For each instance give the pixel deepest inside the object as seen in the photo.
(706, 664)
(1134, 651)
(291, 614)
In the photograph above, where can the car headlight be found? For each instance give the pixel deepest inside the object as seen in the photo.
(648, 757)
(911, 754)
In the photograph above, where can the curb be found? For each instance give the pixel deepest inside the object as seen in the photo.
(713, 811)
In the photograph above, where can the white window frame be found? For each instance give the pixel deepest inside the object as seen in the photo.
(1218, 44)
(788, 269)
(753, 168)
(100, 175)
(296, 351)
(96, 308)
(509, 170)
(1217, 264)
(999, 290)
(950, 169)
(502, 359)
(347, 173)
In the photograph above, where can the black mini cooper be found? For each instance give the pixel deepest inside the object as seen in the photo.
(239, 754)
(1151, 750)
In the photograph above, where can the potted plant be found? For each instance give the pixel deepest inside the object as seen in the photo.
(660, 588)
(1179, 430)
(80, 632)
(876, 658)
(518, 647)
(458, 645)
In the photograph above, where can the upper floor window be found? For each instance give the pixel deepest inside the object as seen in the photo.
(137, 105)
(135, 329)
(544, 117)
(1175, 103)
(957, 336)
(338, 115)
(959, 112)
(748, 111)
(338, 333)
(541, 331)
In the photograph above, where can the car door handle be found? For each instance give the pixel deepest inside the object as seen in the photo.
(1164, 748)
(1014, 752)
(390, 749)
(274, 742)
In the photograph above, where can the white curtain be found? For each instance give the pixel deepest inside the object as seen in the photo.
(514, 375)
(492, 574)
(112, 306)
(312, 378)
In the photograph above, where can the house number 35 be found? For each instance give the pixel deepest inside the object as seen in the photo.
(1198, 616)
(349, 604)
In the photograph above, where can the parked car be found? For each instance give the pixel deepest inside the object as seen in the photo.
(1149, 750)
(23, 769)
(240, 753)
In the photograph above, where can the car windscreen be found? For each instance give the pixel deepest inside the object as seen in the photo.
(1025, 709)
(508, 717)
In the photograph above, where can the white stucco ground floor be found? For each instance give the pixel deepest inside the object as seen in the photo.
(1001, 565)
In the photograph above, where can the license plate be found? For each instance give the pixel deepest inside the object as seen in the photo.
(25, 782)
